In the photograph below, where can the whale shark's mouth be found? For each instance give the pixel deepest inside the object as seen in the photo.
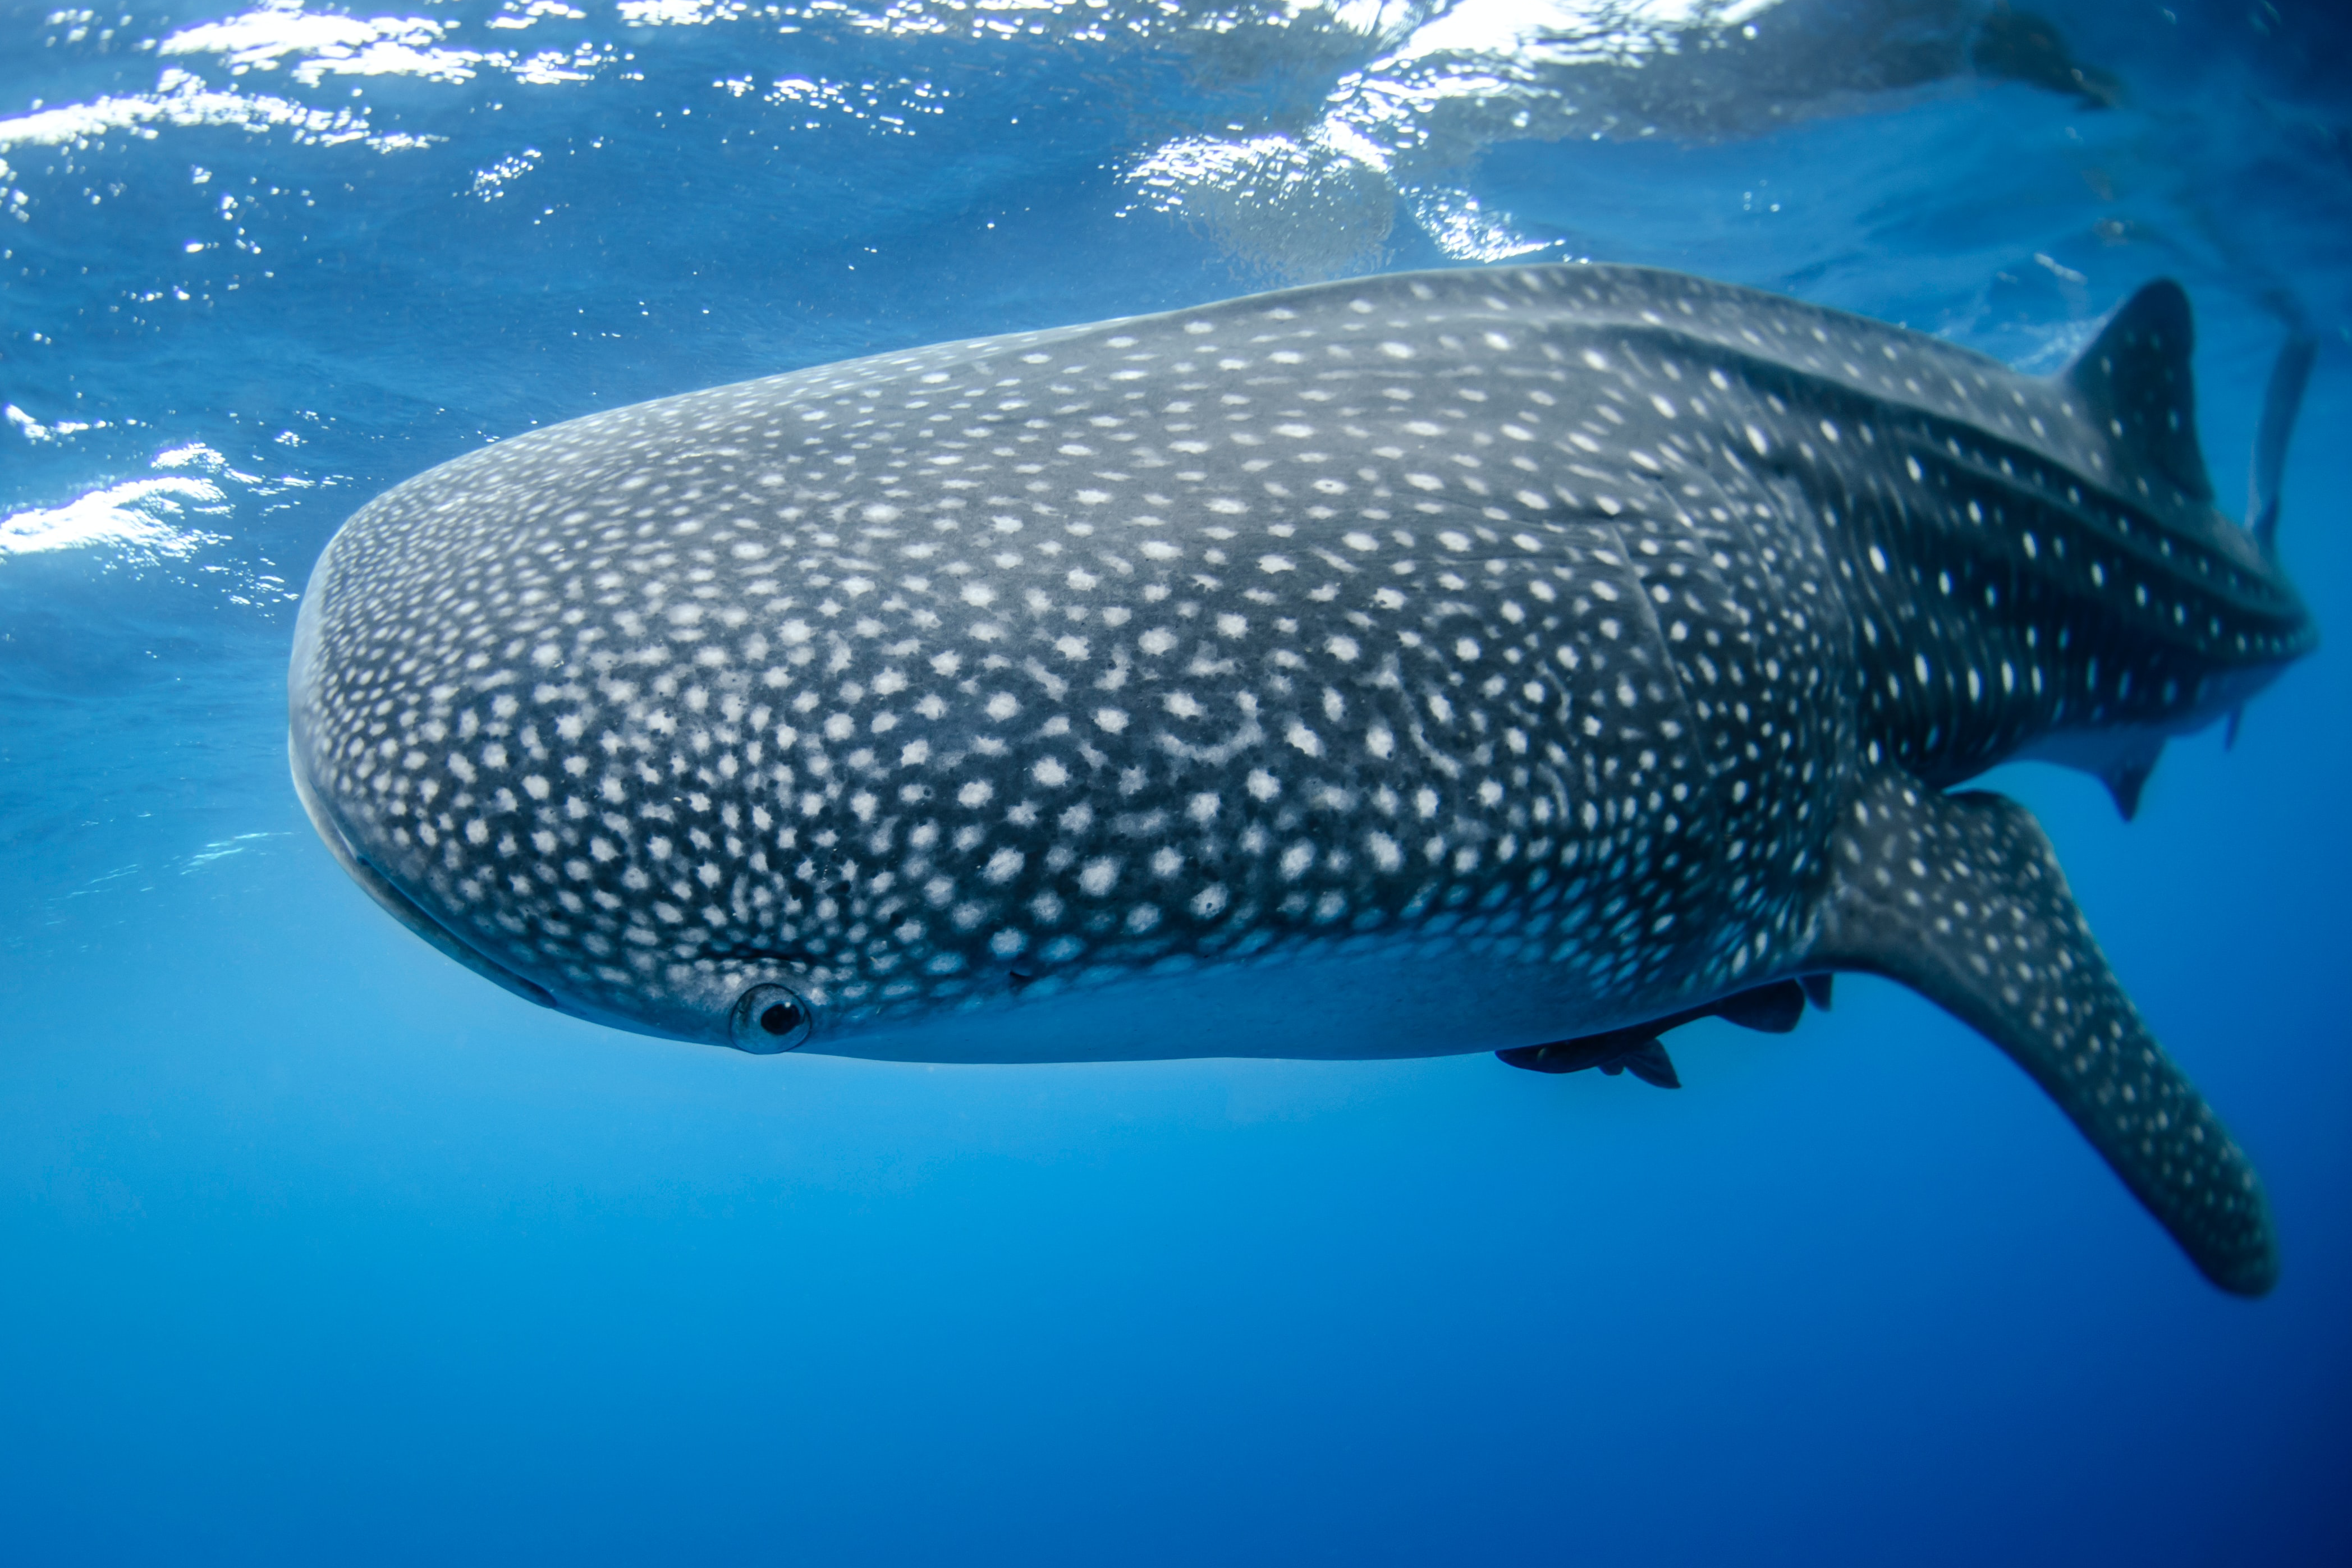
(399, 905)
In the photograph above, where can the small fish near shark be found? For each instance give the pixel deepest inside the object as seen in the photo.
(1519, 659)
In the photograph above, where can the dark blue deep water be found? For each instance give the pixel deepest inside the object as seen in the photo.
(314, 1248)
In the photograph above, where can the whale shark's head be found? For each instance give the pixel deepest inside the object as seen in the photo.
(960, 680)
(637, 805)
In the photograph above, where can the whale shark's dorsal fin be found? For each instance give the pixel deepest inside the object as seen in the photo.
(2136, 379)
(1959, 898)
(2281, 404)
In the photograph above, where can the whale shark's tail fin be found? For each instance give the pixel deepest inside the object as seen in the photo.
(2136, 379)
(1959, 898)
(2281, 404)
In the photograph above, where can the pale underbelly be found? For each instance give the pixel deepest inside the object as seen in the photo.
(1397, 998)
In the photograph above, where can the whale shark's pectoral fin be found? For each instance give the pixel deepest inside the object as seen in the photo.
(1959, 898)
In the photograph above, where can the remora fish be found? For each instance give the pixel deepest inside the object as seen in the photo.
(1524, 660)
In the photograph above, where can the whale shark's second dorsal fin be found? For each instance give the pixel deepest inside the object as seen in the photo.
(2137, 380)
(1959, 898)
(2128, 774)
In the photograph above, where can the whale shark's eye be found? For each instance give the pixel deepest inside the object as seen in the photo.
(768, 1019)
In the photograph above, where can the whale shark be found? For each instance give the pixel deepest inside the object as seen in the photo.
(1525, 659)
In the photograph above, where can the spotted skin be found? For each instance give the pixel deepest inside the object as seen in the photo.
(1430, 663)
(1960, 897)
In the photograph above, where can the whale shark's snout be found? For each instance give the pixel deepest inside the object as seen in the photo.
(764, 1018)
(304, 696)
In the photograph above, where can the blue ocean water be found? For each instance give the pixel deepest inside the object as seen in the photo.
(319, 1248)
